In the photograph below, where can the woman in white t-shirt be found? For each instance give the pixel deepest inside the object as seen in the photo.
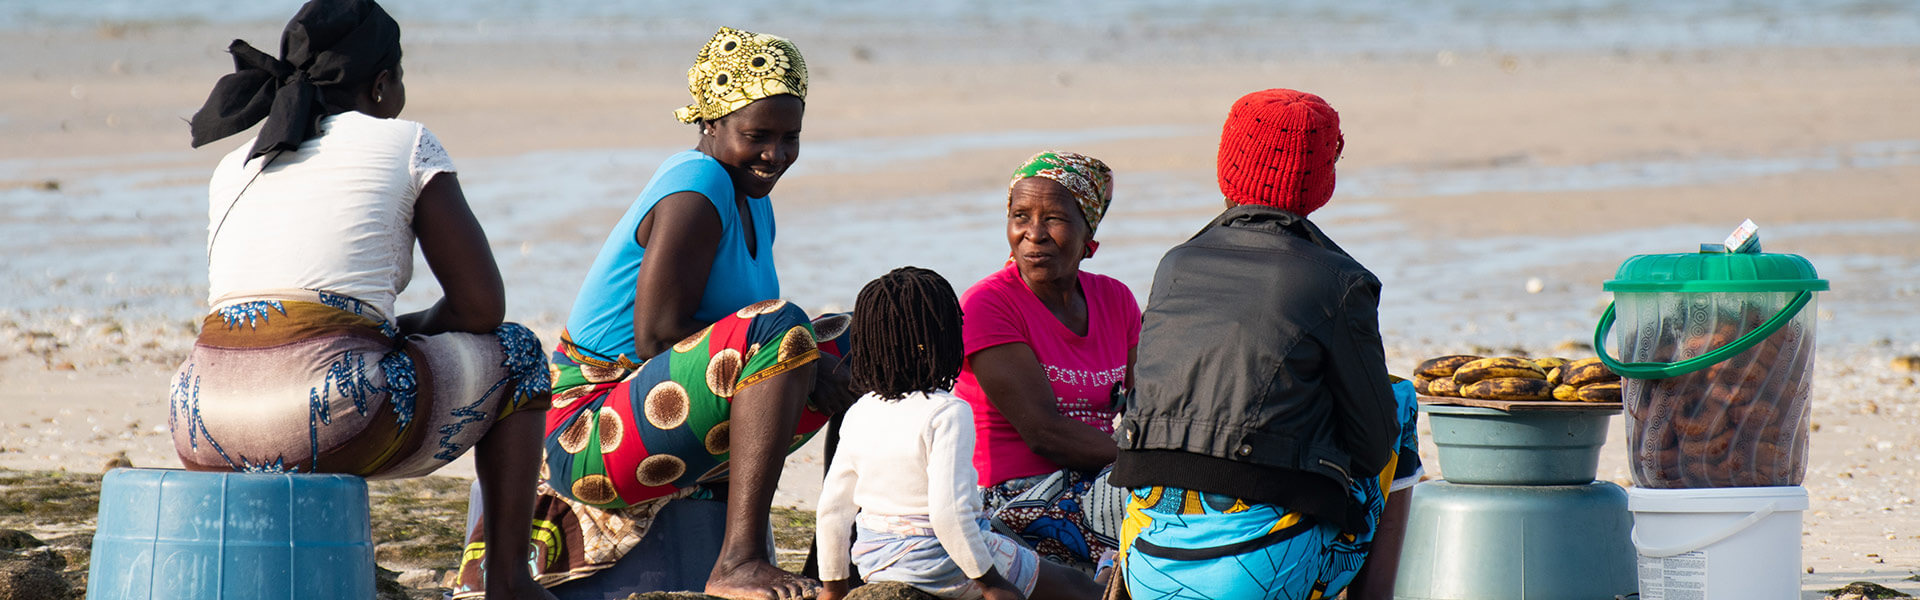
(900, 500)
(302, 365)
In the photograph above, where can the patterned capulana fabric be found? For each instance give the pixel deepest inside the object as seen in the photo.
(623, 439)
(622, 433)
(305, 381)
(738, 67)
(1085, 177)
(1067, 516)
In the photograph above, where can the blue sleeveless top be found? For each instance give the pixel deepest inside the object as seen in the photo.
(602, 318)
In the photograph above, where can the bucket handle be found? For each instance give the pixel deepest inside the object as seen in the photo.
(1708, 540)
(1657, 370)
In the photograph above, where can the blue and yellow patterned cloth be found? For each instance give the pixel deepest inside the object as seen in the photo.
(1188, 544)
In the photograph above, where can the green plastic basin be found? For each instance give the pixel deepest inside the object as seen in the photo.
(1510, 542)
(1483, 446)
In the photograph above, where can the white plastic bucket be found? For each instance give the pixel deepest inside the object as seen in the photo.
(1715, 543)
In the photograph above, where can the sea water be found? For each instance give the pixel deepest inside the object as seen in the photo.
(129, 240)
(1305, 25)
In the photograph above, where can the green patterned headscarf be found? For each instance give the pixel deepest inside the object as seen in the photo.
(1088, 179)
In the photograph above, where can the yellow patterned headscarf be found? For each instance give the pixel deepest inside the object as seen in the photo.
(738, 67)
(1085, 177)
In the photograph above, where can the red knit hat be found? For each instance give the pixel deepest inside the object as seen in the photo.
(1278, 149)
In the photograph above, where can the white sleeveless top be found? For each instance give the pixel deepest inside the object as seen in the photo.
(335, 215)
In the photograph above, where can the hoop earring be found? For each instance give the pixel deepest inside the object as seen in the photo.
(376, 99)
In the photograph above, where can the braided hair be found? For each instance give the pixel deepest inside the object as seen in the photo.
(906, 335)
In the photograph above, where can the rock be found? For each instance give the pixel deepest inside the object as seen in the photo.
(419, 578)
(888, 590)
(14, 539)
(1863, 590)
(45, 558)
(119, 461)
(23, 580)
(1909, 363)
(385, 587)
(78, 558)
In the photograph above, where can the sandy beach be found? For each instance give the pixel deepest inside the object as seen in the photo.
(1471, 170)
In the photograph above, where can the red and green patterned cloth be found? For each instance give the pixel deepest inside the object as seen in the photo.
(623, 439)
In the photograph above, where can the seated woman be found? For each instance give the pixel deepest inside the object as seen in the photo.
(1265, 432)
(302, 365)
(681, 373)
(1049, 347)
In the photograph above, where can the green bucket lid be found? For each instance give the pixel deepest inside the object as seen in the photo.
(1716, 272)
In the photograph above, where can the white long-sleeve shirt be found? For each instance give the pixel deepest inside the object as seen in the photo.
(907, 457)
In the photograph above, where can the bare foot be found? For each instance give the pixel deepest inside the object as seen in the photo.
(759, 580)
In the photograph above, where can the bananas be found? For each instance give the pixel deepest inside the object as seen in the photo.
(1586, 371)
(1421, 385)
(1443, 366)
(1549, 363)
(1509, 388)
(1600, 392)
(1513, 378)
(1500, 367)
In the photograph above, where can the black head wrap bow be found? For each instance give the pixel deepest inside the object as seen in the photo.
(328, 43)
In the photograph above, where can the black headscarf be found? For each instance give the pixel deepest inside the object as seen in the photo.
(328, 43)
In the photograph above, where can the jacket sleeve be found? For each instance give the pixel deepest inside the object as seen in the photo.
(1367, 424)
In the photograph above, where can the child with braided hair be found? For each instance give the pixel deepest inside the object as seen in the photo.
(900, 500)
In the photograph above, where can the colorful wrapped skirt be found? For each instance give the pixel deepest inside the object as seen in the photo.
(1067, 516)
(305, 381)
(1182, 543)
(624, 438)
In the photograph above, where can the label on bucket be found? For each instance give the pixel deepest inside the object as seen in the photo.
(1677, 577)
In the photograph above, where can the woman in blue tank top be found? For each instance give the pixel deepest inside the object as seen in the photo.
(681, 372)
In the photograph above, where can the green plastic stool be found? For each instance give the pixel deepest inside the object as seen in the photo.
(1512, 542)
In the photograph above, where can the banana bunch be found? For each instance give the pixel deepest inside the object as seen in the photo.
(1517, 378)
(1584, 380)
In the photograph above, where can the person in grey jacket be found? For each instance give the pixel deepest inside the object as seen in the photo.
(1263, 429)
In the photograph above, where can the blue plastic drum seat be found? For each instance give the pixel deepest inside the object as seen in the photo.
(170, 534)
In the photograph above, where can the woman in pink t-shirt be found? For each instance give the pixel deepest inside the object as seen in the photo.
(1049, 347)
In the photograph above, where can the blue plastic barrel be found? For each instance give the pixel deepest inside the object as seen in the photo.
(185, 535)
